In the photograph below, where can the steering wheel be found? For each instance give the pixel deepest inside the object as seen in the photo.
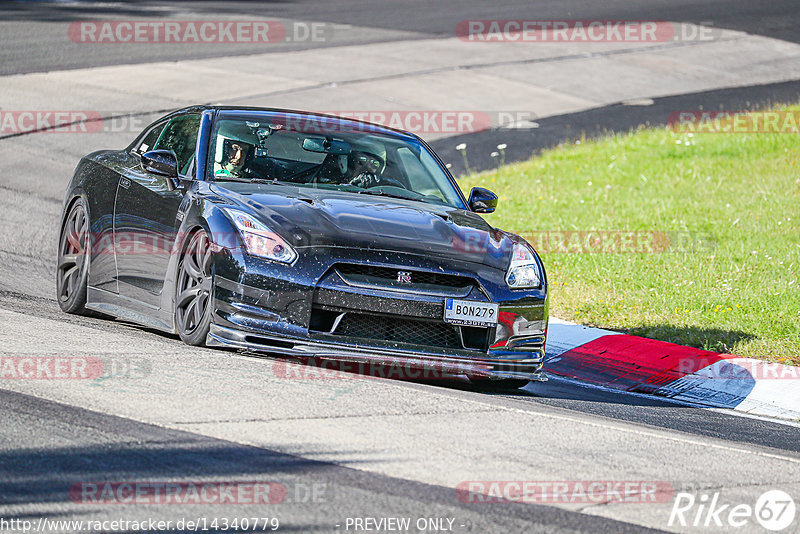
(323, 168)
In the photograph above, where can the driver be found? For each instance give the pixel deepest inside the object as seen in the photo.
(365, 163)
(365, 169)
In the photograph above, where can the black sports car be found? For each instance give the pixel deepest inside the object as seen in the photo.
(301, 234)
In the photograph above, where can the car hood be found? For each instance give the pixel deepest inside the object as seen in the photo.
(308, 217)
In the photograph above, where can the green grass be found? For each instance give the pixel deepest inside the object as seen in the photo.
(731, 284)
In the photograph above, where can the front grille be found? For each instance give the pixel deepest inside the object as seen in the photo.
(373, 275)
(430, 333)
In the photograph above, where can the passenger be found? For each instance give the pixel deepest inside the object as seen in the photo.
(235, 159)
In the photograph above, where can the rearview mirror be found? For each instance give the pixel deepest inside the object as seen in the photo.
(482, 200)
(326, 146)
(162, 162)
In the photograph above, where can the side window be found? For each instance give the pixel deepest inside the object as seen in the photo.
(180, 136)
(150, 139)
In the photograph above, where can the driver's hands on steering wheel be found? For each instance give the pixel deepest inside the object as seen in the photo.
(365, 180)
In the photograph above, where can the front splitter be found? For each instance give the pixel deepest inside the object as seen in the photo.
(521, 366)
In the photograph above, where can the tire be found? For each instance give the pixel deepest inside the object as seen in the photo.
(504, 384)
(72, 271)
(193, 290)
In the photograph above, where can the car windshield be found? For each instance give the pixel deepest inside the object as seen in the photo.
(327, 153)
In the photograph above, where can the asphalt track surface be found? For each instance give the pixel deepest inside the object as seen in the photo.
(30, 49)
(379, 448)
(33, 42)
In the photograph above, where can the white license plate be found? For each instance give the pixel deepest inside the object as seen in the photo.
(470, 313)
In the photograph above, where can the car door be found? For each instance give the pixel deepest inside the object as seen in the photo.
(146, 211)
(101, 179)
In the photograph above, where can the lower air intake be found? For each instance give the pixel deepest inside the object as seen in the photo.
(429, 333)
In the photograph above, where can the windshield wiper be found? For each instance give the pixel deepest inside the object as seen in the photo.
(254, 181)
(273, 181)
(384, 193)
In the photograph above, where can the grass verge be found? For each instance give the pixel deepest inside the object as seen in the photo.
(688, 238)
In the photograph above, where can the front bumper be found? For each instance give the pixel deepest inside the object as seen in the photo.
(272, 309)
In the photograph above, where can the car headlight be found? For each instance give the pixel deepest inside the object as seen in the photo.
(259, 240)
(523, 272)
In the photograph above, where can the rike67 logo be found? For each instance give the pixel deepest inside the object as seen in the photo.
(774, 510)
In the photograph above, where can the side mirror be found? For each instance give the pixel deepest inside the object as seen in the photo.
(482, 200)
(163, 162)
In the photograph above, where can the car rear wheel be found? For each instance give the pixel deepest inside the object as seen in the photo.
(193, 290)
(73, 260)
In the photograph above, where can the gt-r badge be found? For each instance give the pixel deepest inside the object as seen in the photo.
(403, 277)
